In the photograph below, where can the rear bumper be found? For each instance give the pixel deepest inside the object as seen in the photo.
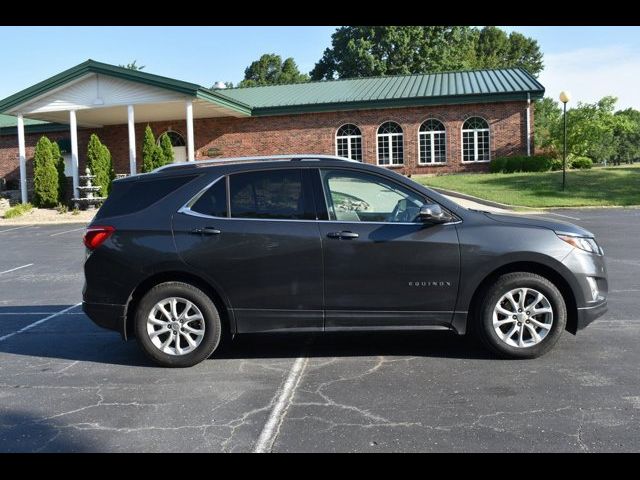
(586, 315)
(106, 315)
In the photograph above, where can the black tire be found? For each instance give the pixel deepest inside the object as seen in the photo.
(483, 327)
(212, 324)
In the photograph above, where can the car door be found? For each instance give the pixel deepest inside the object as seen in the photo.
(254, 235)
(383, 268)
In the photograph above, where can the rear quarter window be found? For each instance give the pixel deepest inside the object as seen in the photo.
(131, 197)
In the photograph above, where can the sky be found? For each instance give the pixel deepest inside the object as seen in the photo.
(590, 62)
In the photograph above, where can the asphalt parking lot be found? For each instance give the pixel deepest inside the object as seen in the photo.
(67, 385)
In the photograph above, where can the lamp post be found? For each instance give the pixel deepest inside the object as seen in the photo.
(564, 98)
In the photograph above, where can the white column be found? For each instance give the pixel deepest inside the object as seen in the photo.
(73, 125)
(22, 155)
(190, 141)
(528, 125)
(132, 140)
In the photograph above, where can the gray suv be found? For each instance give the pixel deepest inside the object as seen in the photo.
(312, 243)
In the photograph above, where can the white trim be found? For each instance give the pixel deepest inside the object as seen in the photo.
(432, 133)
(475, 140)
(131, 125)
(348, 138)
(190, 137)
(22, 157)
(73, 126)
(528, 125)
(388, 137)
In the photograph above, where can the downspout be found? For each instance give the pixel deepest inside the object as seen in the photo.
(528, 125)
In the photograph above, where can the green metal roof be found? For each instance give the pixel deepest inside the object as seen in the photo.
(9, 125)
(91, 66)
(477, 86)
(399, 90)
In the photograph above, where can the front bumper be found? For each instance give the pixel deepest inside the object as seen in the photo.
(586, 315)
(106, 315)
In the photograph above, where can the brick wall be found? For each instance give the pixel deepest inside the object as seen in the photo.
(310, 133)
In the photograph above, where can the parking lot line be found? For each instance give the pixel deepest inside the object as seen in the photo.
(14, 228)
(17, 268)
(39, 322)
(67, 231)
(561, 215)
(271, 428)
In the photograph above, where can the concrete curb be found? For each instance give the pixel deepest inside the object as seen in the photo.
(481, 201)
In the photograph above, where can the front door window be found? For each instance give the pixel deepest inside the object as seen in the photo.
(363, 197)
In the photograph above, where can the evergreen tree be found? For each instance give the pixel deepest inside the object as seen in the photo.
(99, 162)
(62, 178)
(45, 182)
(148, 149)
(158, 157)
(167, 148)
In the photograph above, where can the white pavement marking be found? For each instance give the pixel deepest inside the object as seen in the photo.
(272, 427)
(561, 215)
(17, 268)
(37, 313)
(67, 231)
(39, 322)
(15, 228)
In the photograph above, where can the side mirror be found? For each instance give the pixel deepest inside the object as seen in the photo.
(432, 213)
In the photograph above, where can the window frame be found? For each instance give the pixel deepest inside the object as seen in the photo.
(388, 137)
(349, 138)
(431, 135)
(306, 181)
(401, 186)
(475, 140)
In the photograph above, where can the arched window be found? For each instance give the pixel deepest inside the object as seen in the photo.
(432, 142)
(390, 147)
(475, 140)
(349, 142)
(177, 140)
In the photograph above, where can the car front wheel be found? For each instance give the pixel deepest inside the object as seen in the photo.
(177, 325)
(522, 315)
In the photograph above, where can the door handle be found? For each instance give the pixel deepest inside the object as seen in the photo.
(206, 231)
(344, 235)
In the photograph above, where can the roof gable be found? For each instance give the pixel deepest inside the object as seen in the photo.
(12, 103)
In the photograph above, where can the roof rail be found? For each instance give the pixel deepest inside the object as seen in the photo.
(264, 158)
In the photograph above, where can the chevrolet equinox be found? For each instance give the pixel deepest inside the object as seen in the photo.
(313, 243)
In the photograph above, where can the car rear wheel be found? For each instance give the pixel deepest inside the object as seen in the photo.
(522, 315)
(177, 325)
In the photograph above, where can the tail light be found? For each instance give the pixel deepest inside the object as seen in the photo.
(96, 235)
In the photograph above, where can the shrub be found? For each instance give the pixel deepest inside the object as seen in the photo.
(61, 208)
(497, 165)
(45, 175)
(536, 163)
(556, 164)
(148, 149)
(99, 162)
(62, 178)
(582, 163)
(18, 210)
(167, 148)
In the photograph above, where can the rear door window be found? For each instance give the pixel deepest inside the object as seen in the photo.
(213, 202)
(271, 194)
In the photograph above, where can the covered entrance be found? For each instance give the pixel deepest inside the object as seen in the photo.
(95, 94)
(179, 146)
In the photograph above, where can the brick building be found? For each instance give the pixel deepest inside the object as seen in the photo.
(434, 123)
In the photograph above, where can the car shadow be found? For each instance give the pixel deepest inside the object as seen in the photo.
(74, 337)
(24, 432)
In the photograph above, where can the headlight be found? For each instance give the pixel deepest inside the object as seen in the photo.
(587, 244)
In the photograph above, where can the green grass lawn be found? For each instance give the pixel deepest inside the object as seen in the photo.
(604, 186)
